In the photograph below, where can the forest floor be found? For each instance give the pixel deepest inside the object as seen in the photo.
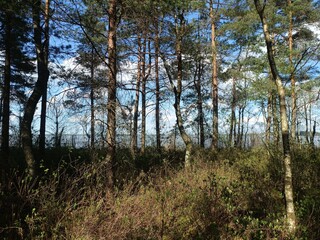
(228, 194)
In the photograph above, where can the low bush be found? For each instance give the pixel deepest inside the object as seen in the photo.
(223, 195)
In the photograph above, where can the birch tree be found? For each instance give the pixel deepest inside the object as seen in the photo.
(290, 210)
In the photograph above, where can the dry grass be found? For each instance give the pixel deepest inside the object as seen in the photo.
(222, 196)
(184, 204)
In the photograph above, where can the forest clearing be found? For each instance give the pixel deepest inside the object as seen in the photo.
(142, 119)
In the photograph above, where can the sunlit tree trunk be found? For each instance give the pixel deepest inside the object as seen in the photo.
(275, 119)
(215, 131)
(134, 135)
(288, 188)
(112, 94)
(292, 77)
(177, 89)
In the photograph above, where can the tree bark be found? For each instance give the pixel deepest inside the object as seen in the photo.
(143, 94)
(305, 107)
(157, 112)
(197, 84)
(177, 89)
(134, 135)
(200, 105)
(269, 114)
(112, 94)
(6, 99)
(43, 75)
(43, 117)
(275, 119)
(215, 131)
(6, 86)
(288, 188)
(233, 114)
(92, 106)
(292, 77)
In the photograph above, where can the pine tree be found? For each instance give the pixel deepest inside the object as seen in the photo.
(14, 38)
(112, 92)
(41, 42)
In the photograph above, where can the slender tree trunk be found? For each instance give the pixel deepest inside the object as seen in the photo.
(43, 75)
(292, 77)
(143, 95)
(215, 131)
(269, 114)
(92, 110)
(112, 94)
(6, 87)
(198, 76)
(42, 137)
(239, 127)
(276, 129)
(290, 211)
(310, 123)
(177, 89)
(56, 137)
(134, 138)
(313, 133)
(5, 114)
(306, 121)
(233, 113)
(242, 128)
(157, 113)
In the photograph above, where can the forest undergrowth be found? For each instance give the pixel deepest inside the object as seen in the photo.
(229, 194)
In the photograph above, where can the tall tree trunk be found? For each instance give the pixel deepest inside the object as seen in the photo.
(6, 98)
(233, 113)
(215, 131)
(241, 122)
(157, 113)
(313, 133)
(112, 94)
(134, 135)
(43, 75)
(269, 114)
(305, 106)
(200, 109)
(42, 137)
(143, 95)
(197, 84)
(92, 106)
(310, 123)
(56, 135)
(177, 89)
(275, 119)
(292, 77)
(288, 188)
